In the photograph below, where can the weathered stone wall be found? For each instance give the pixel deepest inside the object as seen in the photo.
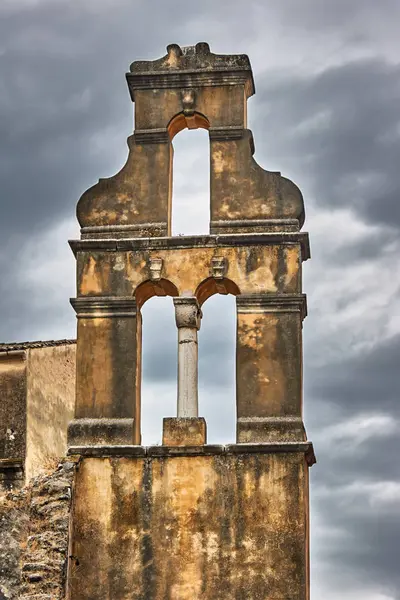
(50, 404)
(12, 407)
(34, 526)
(273, 268)
(14, 525)
(229, 523)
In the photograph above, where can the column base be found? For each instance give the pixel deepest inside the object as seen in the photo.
(250, 430)
(95, 432)
(184, 431)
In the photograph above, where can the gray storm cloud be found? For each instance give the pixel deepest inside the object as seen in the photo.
(325, 114)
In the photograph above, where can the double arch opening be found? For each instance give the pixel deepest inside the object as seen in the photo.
(217, 355)
(190, 207)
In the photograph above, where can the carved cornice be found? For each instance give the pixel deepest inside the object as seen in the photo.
(189, 67)
(90, 307)
(272, 303)
(193, 241)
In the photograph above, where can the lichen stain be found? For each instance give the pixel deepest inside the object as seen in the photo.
(180, 487)
(262, 279)
(136, 269)
(219, 161)
(225, 209)
(292, 268)
(250, 332)
(93, 276)
(253, 269)
(119, 263)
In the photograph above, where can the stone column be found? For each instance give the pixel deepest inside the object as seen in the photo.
(269, 367)
(107, 408)
(187, 429)
(188, 318)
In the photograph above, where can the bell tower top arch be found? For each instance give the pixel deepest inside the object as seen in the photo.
(190, 80)
(190, 87)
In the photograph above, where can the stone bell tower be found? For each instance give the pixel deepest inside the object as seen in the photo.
(188, 520)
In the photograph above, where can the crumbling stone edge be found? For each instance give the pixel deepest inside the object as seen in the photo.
(305, 448)
(34, 528)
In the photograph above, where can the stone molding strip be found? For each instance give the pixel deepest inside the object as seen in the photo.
(206, 450)
(151, 136)
(190, 79)
(267, 303)
(271, 420)
(226, 133)
(135, 230)
(89, 307)
(193, 241)
(244, 225)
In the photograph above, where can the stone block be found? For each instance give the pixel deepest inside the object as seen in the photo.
(184, 431)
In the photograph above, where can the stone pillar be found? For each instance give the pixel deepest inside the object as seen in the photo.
(188, 318)
(269, 367)
(107, 409)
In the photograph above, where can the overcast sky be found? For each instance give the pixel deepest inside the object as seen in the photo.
(326, 114)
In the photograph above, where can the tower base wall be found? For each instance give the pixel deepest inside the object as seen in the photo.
(188, 523)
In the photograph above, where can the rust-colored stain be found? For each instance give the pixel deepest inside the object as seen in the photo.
(253, 270)
(187, 528)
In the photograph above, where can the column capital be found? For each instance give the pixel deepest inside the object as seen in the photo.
(187, 312)
(267, 303)
(87, 307)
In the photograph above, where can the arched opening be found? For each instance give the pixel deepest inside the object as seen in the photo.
(211, 286)
(159, 367)
(190, 174)
(217, 368)
(159, 357)
(189, 119)
(148, 289)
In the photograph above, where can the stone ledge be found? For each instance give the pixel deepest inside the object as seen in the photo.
(192, 241)
(250, 226)
(207, 450)
(105, 451)
(99, 432)
(87, 307)
(134, 230)
(268, 302)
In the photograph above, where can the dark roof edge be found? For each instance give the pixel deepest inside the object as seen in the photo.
(12, 348)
